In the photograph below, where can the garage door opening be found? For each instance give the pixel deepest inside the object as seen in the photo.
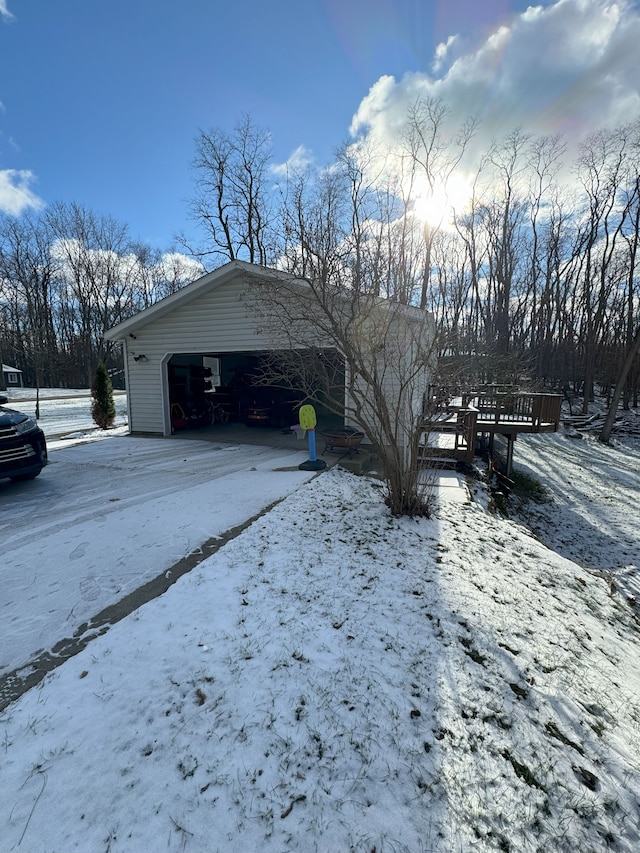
(212, 388)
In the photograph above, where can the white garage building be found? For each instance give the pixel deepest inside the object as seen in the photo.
(198, 350)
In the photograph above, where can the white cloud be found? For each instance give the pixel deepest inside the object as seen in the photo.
(16, 195)
(443, 51)
(4, 11)
(174, 266)
(298, 161)
(570, 68)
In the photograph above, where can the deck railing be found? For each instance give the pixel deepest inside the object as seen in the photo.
(547, 409)
(506, 413)
(534, 409)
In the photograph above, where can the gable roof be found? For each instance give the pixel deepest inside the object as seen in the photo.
(212, 280)
(186, 294)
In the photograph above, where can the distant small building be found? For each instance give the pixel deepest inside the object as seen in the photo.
(12, 376)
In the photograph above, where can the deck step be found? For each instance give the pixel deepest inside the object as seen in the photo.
(445, 462)
(357, 463)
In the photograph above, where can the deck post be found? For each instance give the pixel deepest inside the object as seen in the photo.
(471, 419)
(510, 440)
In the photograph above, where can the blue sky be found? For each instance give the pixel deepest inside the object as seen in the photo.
(100, 100)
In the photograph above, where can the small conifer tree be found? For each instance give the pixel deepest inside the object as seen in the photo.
(103, 408)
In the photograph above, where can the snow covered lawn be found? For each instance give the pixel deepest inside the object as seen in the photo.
(592, 514)
(335, 679)
(64, 411)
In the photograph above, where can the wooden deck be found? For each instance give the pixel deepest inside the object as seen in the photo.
(464, 420)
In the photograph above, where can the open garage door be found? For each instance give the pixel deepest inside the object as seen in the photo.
(223, 388)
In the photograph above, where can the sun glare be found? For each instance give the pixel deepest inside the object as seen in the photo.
(435, 207)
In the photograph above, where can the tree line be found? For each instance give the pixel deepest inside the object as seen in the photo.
(531, 276)
(66, 276)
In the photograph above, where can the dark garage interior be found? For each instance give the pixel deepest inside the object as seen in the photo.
(224, 388)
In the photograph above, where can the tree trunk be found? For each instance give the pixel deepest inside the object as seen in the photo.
(605, 433)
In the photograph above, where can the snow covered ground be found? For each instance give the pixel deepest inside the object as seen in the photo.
(335, 679)
(591, 513)
(107, 516)
(64, 412)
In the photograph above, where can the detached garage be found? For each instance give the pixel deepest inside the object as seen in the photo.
(195, 358)
(199, 356)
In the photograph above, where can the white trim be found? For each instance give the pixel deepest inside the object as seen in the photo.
(125, 356)
(164, 393)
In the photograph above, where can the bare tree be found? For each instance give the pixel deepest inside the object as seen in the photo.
(381, 351)
(434, 155)
(232, 202)
(67, 275)
(602, 169)
(632, 354)
(631, 198)
(97, 274)
(545, 218)
(632, 239)
(28, 290)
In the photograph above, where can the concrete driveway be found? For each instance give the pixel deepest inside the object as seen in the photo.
(105, 518)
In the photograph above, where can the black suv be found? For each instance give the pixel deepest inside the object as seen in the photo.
(23, 448)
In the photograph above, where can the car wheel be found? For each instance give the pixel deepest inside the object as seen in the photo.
(22, 477)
